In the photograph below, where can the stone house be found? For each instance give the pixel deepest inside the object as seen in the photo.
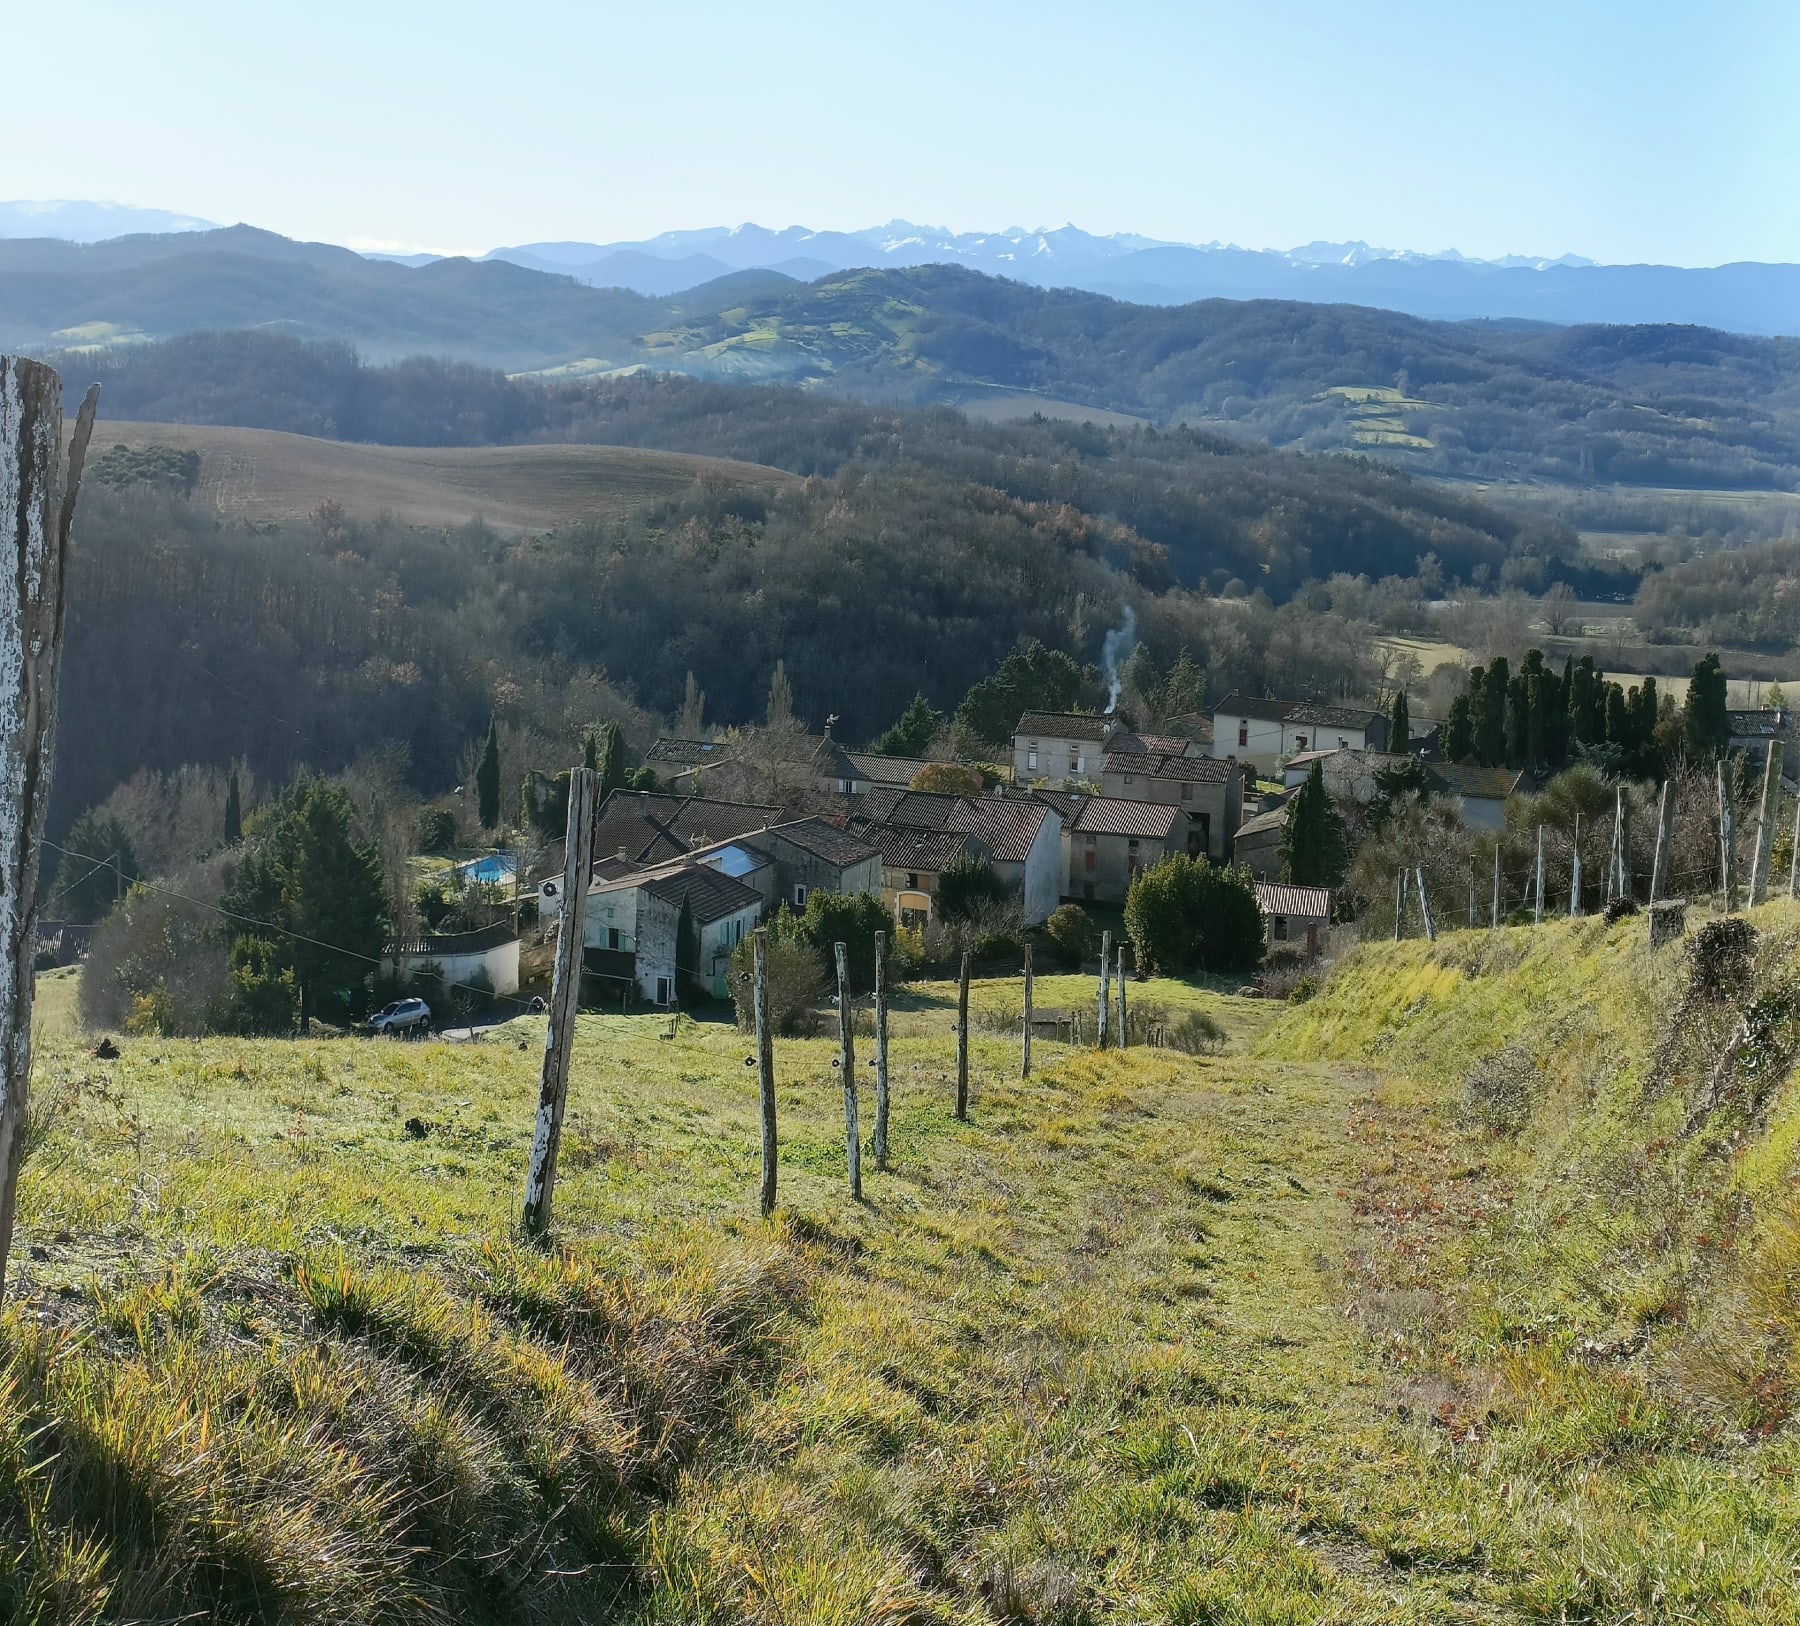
(1209, 790)
(1294, 917)
(1060, 747)
(1022, 835)
(911, 862)
(632, 923)
(1263, 734)
(1257, 845)
(1110, 840)
(812, 855)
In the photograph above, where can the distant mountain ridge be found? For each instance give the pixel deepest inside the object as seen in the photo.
(1745, 297)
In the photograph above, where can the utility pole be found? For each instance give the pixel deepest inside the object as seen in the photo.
(37, 509)
(565, 999)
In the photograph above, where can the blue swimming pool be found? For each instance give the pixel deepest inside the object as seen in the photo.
(489, 871)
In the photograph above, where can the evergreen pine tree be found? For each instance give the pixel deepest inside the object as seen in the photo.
(913, 734)
(487, 781)
(590, 752)
(693, 710)
(234, 812)
(1707, 725)
(1399, 724)
(1458, 739)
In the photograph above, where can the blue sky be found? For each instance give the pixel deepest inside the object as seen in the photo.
(1624, 131)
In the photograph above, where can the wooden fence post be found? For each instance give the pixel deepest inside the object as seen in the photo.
(1495, 922)
(962, 1039)
(1025, 1052)
(1105, 989)
(847, 1066)
(1575, 871)
(37, 507)
(881, 1051)
(765, 1067)
(565, 999)
(1425, 905)
(1665, 825)
(1794, 865)
(1399, 904)
(1124, 1026)
(1540, 878)
(1727, 846)
(1471, 889)
(1765, 825)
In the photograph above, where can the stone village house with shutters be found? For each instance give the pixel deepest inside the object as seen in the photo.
(1022, 835)
(911, 862)
(631, 925)
(1110, 840)
(1209, 790)
(1060, 748)
(1263, 734)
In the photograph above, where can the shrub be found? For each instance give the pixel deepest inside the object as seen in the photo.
(965, 886)
(1721, 957)
(1197, 1033)
(949, 778)
(831, 918)
(1183, 915)
(795, 984)
(989, 947)
(437, 830)
(1073, 935)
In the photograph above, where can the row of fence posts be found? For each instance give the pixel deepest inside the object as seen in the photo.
(1618, 868)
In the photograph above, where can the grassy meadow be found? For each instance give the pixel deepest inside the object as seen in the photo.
(1286, 1333)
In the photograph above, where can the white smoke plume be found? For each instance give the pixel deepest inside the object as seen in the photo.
(1114, 653)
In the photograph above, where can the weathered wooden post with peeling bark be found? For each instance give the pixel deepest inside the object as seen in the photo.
(565, 1000)
(847, 1065)
(1538, 919)
(1399, 904)
(1575, 871)
(1765, 825)
(1124, 1027)
(962, 1039)
(37, 505)
(765, 1067)
(1495, 921)
(881, 1051)
(1424, 904)
(1727, 845)
(1665, 829)
(1025, 1052)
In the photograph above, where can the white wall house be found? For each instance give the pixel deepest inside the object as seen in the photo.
(1060, 748)
(638, 915)
(1263, 734)
(464, 959)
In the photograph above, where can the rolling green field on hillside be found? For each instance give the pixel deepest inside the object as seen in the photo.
(1335, 1325)
(268, 477)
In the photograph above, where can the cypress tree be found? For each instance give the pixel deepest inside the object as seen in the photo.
(1459, 736)
(1708, 727)
(611, 765)
(590, 752)
(487, 781)
(1399, 724)
(234, 812)
(1312, 840)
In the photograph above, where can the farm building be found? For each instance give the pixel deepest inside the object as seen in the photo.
(1110, 840)
(1294, 917)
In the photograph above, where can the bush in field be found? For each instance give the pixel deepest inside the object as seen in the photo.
(796, 984)
(1184, 915)
(831, 918)
(965, 885)
(1073, 935)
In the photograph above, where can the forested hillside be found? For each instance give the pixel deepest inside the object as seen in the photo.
(917, 552)
(1656, 406)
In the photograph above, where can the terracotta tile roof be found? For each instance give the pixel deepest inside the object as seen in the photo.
(904, 847)
(923, 809)
(1277, 898)
(1007, 824)
(1064, 725)
(649, 827)
(1322, 713)
(880, 770)
(1192, 770)
(826, 841)
(709, 893)
(1169, 745)
(1112, 816)
(1493, 784)
(1274, 819)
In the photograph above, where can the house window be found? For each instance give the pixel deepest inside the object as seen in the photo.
(665, 990)
(1343, 744)
(1031, 756)
(1206, 832)
(1128, 779)
(1243, 732)
(1299, 742)
(843, 787)
(799, 896)
(1074, 762)
(912, 880)
(612, 937)
(1278, 928)
(1187, 792)
(1092, 858)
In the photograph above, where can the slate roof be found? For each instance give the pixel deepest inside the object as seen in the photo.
(475, 942)
(923, 809)
(1277, 898)
(1113, 816)
(1007, 825)
(1063, 725)
(1168, 745)
(826, 841)
(686, 753)
(1296, 711)
(710, 894)
(903, 847)
(1191, 770)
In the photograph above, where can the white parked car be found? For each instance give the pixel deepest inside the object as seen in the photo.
(409, 1016)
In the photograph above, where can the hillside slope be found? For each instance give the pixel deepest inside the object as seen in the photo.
(267, 477)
